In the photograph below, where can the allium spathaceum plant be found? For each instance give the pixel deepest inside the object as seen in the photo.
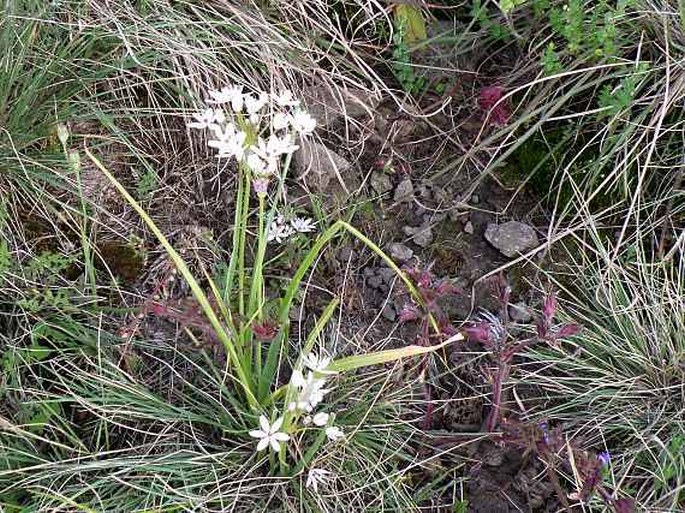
(280, 392)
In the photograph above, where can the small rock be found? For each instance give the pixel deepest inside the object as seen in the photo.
(433, 217)
(387, 275)
(404, 191)
(380, 182)
(400, 253)
(389, 313)
(468, 228)
(511, 238)
(475, 199)
(319, 167)
(520, 312)
(424, 192)
(374, 282)
(327, 106)
(421, 236)
(344, 254)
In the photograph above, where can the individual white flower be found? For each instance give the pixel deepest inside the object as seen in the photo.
(303, 123)
(254, 104)
(315, 476)
(303, 225)
(317, 363)
(320, 419)
(280, 121)
(279, 230)
(256, 164)
(311, 391)
(228, 94)
(207, 119)
(229, 142)
(274, 147)
(269, 434)
(285, 99)
(334, 433)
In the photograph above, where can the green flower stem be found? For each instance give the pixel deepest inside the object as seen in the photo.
(233, 353)
(256, 301)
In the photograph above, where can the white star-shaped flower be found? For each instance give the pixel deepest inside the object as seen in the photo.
(334, 433)
(316, 476)
(286, 99)
(303, 225)
(269, 434)
(208, 118)
(280, 121)
(228, 94)
(318, 363)
(311, 391)
(254, 104)
(303, 123)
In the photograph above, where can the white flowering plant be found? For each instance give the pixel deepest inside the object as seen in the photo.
(260, 131)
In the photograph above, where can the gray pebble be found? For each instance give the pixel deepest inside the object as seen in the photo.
(511, 238)
(344, 254)
(404, 191)
(475, 199)
(374, 282)
(389, 313)
(380, 182)
(421, 236)
(401, 253)
(468, 228)
(386, 274)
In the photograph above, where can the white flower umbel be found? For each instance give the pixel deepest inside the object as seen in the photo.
(334, 433)
(316, 476)
(269, 434)
(302, 225)
(310, 391)
(258, 129)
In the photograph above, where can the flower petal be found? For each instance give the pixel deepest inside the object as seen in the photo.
(276, 425)
(320, 419)
(263, 444)
(264, 423)
(281, 437)
(258, 433)
(275, 445)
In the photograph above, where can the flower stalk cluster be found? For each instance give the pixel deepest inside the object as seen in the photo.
(308, 392)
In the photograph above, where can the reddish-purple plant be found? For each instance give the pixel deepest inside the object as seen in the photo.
(430, 290)
(492, 332)
(554, 449)
(490, 100)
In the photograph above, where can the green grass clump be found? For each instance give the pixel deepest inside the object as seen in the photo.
(619, 385)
